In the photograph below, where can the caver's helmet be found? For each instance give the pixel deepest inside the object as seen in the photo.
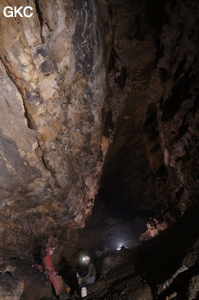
(86, 259)
(50, 250)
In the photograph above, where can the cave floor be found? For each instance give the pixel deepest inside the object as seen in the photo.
(139, 272)
(154, 262)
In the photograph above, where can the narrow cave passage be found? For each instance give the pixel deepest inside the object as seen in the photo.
(99, 122)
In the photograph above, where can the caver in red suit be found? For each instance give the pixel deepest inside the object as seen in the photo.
(54, 278)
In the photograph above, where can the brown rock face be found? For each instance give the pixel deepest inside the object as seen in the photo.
(152, 162)
(126, 176)
(52, 74)
(104, 89)
(77, 76)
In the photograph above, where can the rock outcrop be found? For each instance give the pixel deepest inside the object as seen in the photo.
(100, 94)
(152, 162)
(77, 76)
(53, 70)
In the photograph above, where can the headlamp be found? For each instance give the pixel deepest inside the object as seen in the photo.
(120, 247)
(85, 258)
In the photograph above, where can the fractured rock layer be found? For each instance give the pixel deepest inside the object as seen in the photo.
(52, 94)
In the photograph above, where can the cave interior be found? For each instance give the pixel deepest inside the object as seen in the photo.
(99, 142)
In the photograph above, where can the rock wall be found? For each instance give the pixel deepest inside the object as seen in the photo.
(77, 76)
(152, 162)
(126, 173)
(52, 73)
